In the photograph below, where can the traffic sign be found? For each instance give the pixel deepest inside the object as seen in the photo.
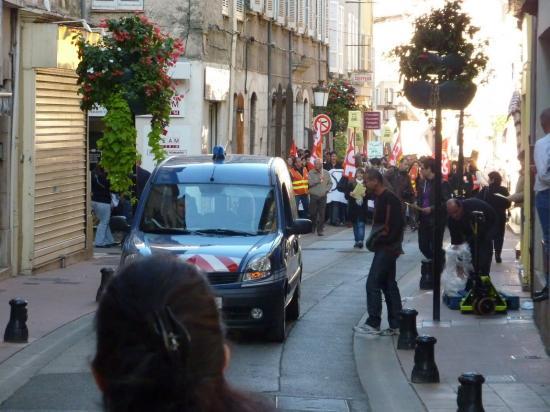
(323, 123)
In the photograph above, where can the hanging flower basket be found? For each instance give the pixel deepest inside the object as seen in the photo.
(441, 54)
(126, 71)
(452, 94)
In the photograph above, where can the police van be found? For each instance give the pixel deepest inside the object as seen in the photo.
(234, 217)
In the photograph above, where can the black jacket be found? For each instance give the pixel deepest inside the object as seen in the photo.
(356, 211)
(488, 194)
(101, 189)
(388, 202)
(462, 230)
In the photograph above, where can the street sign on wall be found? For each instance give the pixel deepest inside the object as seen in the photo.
(372, 120)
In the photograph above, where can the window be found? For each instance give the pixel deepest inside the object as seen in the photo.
(117, 4)
(225, 7)
(224, 210)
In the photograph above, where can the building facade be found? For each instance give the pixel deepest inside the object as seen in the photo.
(245, 80)
(534, 96)
(45, 215)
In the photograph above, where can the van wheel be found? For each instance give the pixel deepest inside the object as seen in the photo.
(277, 331)
(293, 309)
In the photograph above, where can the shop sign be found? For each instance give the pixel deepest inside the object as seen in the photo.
(360, 78)
(216, 84)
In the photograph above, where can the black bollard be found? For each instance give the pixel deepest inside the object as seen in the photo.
(407, 329)
(106, 275)
(426, 275)
(469, 392)
(16, 331)
(425, 370)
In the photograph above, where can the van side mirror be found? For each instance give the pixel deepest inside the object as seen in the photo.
(119, 224)
(300, 227)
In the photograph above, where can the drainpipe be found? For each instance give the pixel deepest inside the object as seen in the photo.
(83, 10)
(15, 211)
(233, 62)
(269, 88)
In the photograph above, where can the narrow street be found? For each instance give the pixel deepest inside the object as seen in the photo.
(313, 370)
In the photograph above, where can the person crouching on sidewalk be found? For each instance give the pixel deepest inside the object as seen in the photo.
(385, 241)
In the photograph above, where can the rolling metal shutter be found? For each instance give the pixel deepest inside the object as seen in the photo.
(60, 167)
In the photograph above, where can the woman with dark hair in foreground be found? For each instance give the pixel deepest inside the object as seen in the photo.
(160, 343)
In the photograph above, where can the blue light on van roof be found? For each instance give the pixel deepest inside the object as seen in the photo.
(218, 154)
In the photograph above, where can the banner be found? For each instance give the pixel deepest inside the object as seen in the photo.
(375, 150)
(317, 152)
(293, 149)
(354, 119)
(397, 151)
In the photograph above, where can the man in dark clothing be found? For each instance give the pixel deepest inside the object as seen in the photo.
(426, 202)
(387, 248)
(461, 227)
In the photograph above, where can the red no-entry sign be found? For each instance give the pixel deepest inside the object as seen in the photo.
(323, 123)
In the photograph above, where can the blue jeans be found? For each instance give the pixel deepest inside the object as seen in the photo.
(304, 200)
(381, 279)
(359, 231)
(542, 203)
(103, 235)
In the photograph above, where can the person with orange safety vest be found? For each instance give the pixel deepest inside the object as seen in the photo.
(299, 176)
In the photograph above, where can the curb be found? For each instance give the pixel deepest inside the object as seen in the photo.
(381, 375)
(24, 364)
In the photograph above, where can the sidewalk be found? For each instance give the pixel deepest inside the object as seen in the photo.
(506, 349)
(54, 298)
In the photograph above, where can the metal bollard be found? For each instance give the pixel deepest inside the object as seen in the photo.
(16, 331)
(106, 275)
(425, 370)
(426, 275)
(407, 329)
(469, 392)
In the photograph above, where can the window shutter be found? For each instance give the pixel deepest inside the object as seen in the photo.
(269, 8)
(281, 12)
(319, 25)
(256, 5)
(311, 17)
(327, 14)
(291, 10)
(341, 37)
(300, 23)
(225, 7)
(239, 9)
(333, 37)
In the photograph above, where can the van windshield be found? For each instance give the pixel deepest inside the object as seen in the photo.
(217, 209)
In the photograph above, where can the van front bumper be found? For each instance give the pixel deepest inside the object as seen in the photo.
(237, 304)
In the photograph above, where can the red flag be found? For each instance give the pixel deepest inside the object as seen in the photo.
(317, 152)
(397, 151)
(349, 161)
(293, 149)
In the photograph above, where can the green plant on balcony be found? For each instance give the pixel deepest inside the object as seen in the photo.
(126, 72)
(442, 59)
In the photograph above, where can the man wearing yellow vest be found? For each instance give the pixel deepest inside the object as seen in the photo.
(299, 176)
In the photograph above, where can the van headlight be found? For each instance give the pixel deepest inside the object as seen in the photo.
(258, 269)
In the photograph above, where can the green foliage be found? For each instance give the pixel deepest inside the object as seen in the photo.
(118, 144)
(341, 144)
(442, 47)
(341, 99)
(130, 63)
